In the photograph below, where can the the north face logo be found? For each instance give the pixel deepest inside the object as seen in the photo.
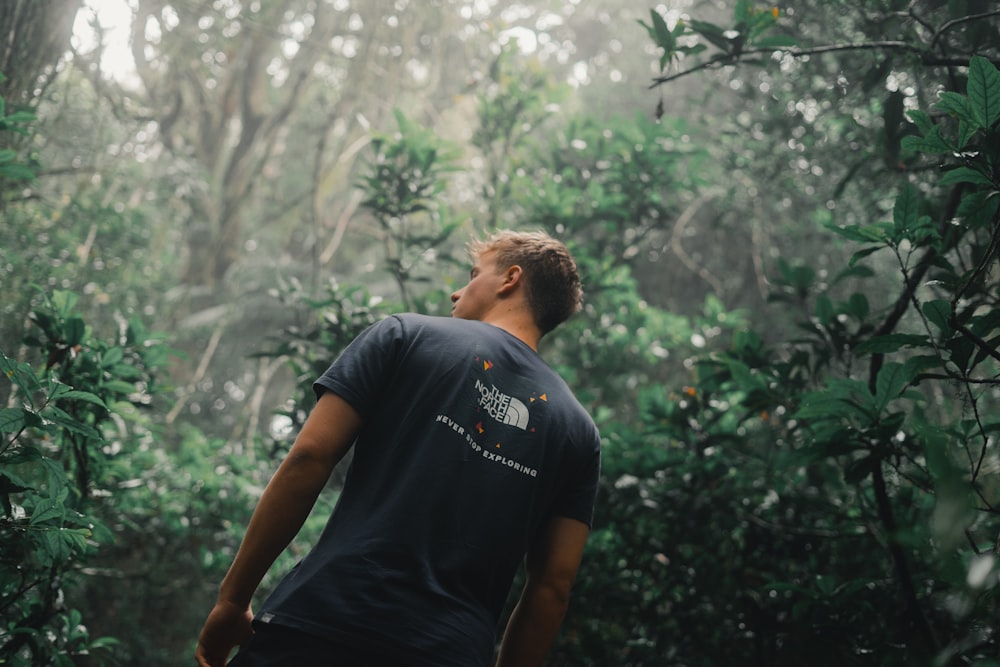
(501, 407)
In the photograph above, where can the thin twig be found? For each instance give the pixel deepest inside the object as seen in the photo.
(206, 357)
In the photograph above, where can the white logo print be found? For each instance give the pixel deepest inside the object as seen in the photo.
(505, 409)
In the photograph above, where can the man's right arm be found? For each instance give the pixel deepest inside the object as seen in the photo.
(286, 502)
(551, 567)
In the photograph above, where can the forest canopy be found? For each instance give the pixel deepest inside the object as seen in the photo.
(786, 219)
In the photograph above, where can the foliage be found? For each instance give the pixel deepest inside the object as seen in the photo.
(401, 183)
(14, 168)
(333, 319)
(61, 432)
(517, 98)
(752, 31)
(612, 186)
(826, 499)
(11, 168)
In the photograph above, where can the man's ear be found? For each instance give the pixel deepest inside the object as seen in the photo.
(511, 280)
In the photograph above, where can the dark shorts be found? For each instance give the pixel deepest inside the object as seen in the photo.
(280, 646)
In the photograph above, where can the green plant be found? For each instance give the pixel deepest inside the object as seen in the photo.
(402, 183)
(61, 429)
(13, 169)
(888, 480)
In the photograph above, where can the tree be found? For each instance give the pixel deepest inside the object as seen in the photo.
(36, 37)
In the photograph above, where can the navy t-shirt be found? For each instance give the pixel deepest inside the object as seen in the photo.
(469, 444)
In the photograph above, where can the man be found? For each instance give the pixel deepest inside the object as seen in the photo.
(470, 455)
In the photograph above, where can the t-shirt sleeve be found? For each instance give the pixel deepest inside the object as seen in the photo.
(579, 491)
(363, 370)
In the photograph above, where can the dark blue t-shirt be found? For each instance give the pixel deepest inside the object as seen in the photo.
(469, 444)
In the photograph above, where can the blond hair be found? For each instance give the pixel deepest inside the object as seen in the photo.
(553, 284)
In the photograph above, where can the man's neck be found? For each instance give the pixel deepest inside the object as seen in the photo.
(516, 322)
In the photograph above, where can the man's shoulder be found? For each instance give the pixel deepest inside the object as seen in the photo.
(415, 323)
(418, 319)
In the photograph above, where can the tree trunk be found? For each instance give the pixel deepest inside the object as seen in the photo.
(34, 35)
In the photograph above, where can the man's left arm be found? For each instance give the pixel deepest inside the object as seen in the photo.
(283, 507)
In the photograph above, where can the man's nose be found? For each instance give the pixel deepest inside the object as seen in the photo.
(455, 295)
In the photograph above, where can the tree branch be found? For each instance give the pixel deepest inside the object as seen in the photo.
(965, 19)
(724, 59)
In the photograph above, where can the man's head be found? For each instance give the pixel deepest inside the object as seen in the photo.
(549, 274)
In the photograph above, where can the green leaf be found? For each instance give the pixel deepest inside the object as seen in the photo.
(20, 117)
(54, 544)
(664, 37)
(917, 365)
(17, 172)
(12, 420)
(712, 33)
(75, 329)
(64, 301)
(932, 143)
(11, 483)
(858, 306)
(860, 233)
(824, 309)
(841, 400)
(984, 91)
(905, 212)
(47, 512)
(983, 325)
(939, 313)
(58, 389)
(965, 175)
(966, 131)
(118, 386)
(112, 357)
(743, 375)
(85, 396)
(66, 421)
(922, 120)
(859, 469)
(890, 343)
(861, 254)
(935, 444)
(957, 105)
(891, 380)
(853, 271)
(103, 642)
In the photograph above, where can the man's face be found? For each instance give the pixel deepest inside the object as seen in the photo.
(473, 301)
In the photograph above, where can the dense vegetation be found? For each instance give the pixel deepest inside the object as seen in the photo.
(789, 245)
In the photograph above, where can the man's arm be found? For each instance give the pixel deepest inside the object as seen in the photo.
(551, 567)
(286, 502)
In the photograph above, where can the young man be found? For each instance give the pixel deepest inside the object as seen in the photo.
(470, 455)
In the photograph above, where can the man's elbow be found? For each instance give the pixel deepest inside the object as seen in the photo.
(553, 596)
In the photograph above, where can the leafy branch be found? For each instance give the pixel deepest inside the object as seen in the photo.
(752, 35)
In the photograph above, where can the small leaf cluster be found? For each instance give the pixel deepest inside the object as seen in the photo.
(751, 27)
(401, 184)
(15, 122)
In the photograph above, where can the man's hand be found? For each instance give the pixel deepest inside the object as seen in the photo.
(227, 626)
